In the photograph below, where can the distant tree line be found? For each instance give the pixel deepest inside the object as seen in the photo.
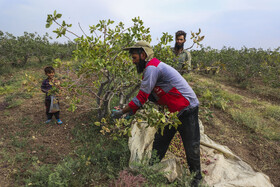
(242, 66)
(17, 51)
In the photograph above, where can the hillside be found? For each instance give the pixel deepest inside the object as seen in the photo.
(27, 144)
(254, 147)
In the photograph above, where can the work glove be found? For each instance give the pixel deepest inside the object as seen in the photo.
(116, 114)
(129, 115)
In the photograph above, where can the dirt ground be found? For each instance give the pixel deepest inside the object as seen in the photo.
(51, 142)
(22, 130)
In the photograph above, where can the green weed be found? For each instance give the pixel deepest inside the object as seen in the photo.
(255, 122)
(6, 69)
(212, 96)
(16, 99)
(19, 142)
(232, 97)
(248, 118)
(7, 113)
(10, 86)
(266, 91)
(40, 177)
(273, 111)
(4, 155)
(20, 157)
(15, 103)
(271, 134)
(256, 102)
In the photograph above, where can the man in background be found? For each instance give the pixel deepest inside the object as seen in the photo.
(182, 55)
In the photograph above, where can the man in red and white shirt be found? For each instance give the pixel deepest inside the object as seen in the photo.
(164, 85)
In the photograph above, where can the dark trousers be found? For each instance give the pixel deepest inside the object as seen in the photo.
(50, 115)
(189, 131)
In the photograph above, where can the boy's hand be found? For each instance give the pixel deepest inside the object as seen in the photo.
(57, 83)
(44, 90)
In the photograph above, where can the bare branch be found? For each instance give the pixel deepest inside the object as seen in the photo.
(190, 46)
(90, 90)
(82, 30)
(67, 38)
(109, 101)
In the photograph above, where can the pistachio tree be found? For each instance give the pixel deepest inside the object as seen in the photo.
(104, 71)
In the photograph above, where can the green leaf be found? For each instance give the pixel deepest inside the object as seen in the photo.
(97, 123)
(103, 120)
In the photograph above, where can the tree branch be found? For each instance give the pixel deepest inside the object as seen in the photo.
(82, 30)
(66, 29)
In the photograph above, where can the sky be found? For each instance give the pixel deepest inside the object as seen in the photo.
(224, 23)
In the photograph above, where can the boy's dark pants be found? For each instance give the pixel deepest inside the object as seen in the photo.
(50, 115)
(189, 131)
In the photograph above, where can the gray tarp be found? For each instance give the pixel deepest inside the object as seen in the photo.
(224, 170)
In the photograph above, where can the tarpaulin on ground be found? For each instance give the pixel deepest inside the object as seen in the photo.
(224, 169)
